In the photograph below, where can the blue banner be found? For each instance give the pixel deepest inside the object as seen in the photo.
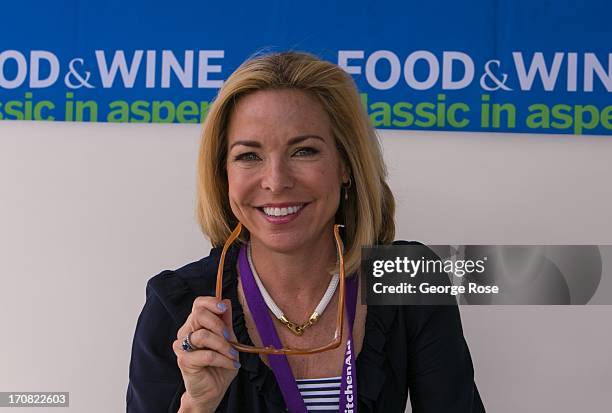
(531, 66)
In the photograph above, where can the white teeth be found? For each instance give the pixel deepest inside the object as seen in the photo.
(281, 212)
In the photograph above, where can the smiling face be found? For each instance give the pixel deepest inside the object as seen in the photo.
(284, 170)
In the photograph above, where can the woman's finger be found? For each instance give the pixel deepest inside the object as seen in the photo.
(206, 339)
(206, 319)
(209, 303)
(192, 361)
(202, 304)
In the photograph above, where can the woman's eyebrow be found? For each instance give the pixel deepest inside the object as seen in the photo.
(292, 141)
(253, 144)
(300, 138)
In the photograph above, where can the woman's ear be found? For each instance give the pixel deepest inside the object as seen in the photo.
(346, 175)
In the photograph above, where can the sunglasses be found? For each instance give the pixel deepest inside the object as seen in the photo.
(337, 338)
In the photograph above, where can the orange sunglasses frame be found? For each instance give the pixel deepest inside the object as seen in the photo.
(336, 341)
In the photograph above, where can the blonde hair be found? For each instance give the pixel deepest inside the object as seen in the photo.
(368, 214)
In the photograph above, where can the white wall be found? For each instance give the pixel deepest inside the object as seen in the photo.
(89, 212)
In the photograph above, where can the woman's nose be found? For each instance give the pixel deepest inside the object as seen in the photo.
(276, 176)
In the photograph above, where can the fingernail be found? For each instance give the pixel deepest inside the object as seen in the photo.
(236, 364)
(226, 334)
(234, 352)
(222, 306)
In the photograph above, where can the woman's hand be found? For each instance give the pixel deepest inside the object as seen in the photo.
(209, 370)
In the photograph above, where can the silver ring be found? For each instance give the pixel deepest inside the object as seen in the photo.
(187, 345)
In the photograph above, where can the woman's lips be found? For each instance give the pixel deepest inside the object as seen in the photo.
(282, 219)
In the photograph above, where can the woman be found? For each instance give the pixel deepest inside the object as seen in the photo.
(288, 151)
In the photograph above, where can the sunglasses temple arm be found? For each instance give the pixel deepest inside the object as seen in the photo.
(219, 288)
(340, 247)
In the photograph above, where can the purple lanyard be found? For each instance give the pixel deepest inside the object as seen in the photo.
(279, 364)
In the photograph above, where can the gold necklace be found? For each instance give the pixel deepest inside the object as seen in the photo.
(295, 328)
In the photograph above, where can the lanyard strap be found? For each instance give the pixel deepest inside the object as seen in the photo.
(279, 363)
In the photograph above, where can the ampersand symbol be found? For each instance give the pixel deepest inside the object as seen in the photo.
(499, 84)
(76, 76)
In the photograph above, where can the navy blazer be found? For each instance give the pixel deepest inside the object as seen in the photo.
(408, 351)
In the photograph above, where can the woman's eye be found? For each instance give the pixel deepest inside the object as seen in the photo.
(247, 156)
(305, 152)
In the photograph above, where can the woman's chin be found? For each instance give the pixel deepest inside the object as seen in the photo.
(282, 243)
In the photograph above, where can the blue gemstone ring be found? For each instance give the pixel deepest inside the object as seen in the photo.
(186, 345)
